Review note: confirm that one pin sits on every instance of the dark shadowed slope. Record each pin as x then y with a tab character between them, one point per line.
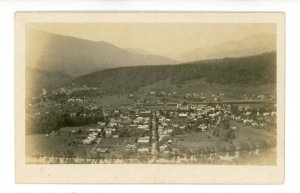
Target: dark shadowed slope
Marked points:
253	70
37	79
77	57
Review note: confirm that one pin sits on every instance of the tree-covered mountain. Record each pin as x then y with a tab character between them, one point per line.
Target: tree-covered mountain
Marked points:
76	57
252	70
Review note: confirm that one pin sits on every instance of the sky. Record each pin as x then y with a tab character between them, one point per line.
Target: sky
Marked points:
167	39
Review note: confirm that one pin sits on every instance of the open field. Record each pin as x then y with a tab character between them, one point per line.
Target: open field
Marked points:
247	138
114	100
40	145
199	86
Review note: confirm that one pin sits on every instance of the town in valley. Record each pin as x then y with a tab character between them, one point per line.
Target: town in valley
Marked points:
161	126
98	100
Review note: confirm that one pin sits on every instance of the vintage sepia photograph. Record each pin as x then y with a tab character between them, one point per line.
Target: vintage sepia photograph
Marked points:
152	93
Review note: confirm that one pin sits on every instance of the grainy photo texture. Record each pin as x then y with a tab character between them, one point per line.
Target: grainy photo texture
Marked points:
167	93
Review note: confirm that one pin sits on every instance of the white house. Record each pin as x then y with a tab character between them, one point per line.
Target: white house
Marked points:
183	115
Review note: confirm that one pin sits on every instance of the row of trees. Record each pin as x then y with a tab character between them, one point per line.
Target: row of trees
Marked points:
53	121
223	130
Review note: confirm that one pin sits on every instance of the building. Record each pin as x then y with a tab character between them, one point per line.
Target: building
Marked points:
143	127
183	107
103	150
143	150
145	113
183	115
143	140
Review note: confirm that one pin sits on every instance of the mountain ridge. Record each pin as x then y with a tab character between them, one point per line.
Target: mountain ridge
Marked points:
250	70
54	52
249	46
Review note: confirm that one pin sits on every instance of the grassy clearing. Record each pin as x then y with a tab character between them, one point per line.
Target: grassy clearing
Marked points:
246	138
40	145
253	135
200	86
114	100
55	146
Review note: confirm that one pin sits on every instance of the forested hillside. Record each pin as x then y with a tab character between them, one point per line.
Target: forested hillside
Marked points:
253	70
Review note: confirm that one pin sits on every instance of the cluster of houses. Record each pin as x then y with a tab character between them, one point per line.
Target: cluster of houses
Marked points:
174	118
162	93
163	125
254	117
141	122
92	136
190	96
163	129
75	100
69	91
259	97
168	123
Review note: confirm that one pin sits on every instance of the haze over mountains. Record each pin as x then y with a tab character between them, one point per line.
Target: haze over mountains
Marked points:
53	60
75	57
252	45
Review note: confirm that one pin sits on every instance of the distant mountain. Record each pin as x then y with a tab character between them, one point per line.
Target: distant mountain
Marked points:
252	70
37	79
74	56
252	45
139	51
